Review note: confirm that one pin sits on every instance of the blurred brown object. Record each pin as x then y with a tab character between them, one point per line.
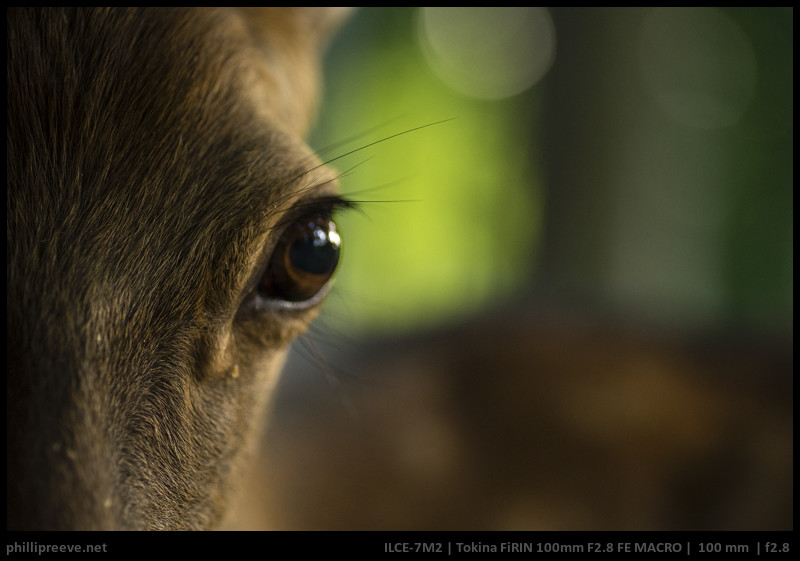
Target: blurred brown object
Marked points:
532	421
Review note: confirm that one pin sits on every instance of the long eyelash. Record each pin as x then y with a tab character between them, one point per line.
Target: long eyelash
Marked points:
321	205
369	144
379	141
329	204
343	142
339	203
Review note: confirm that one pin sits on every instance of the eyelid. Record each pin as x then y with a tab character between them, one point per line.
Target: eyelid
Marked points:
319	205
325	205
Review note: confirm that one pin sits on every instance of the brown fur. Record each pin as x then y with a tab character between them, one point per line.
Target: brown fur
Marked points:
152	154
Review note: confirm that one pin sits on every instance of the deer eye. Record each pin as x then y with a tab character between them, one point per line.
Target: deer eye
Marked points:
303	260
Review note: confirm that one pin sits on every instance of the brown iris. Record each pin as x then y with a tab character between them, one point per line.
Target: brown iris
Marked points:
303	260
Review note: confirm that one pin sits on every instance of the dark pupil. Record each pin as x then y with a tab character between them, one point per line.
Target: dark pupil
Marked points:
314	253
303	260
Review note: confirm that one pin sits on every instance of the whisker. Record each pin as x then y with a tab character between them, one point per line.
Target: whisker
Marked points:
368	145
379	141
333	376
378	188
356	136
281	202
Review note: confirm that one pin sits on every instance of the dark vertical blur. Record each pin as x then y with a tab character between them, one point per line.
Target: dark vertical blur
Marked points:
658	215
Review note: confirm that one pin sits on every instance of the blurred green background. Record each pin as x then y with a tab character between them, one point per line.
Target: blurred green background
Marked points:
638	160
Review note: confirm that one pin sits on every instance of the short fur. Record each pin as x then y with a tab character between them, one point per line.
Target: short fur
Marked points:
151	155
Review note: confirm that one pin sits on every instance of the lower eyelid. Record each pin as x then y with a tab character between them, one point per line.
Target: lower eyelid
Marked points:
256	304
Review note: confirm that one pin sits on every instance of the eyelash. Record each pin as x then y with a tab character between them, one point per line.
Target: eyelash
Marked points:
324	205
